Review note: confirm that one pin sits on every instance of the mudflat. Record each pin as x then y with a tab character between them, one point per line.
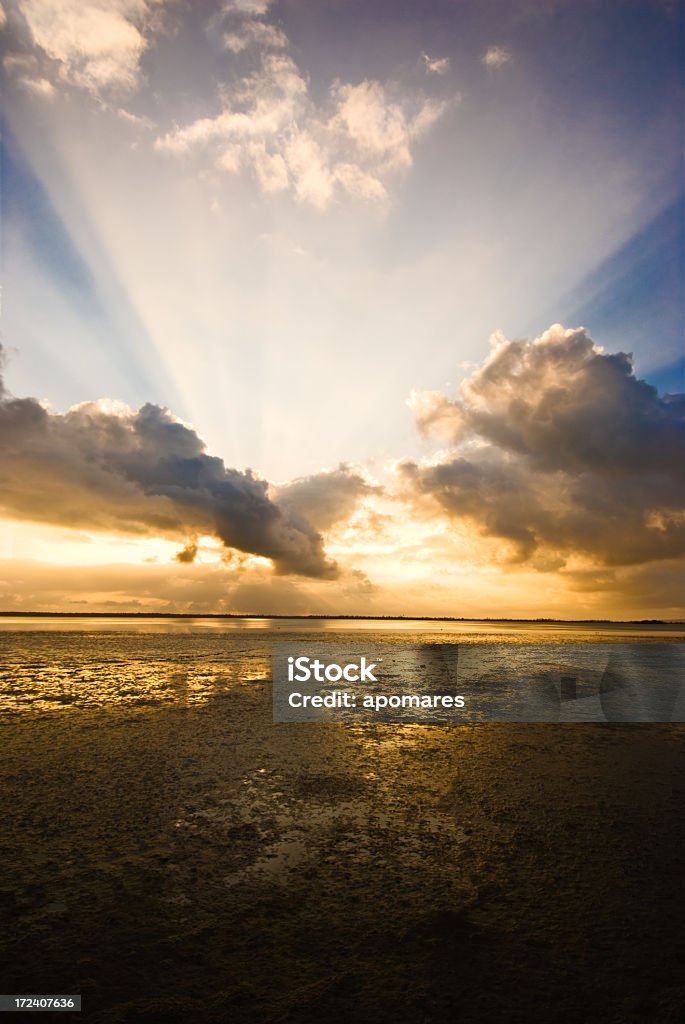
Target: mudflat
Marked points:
197	862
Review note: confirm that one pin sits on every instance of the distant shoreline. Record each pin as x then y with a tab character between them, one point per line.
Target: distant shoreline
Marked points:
354	618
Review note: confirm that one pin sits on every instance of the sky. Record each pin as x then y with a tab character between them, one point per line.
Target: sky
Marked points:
343	307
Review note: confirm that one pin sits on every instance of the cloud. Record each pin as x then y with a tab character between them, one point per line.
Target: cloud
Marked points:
199	588
136	120
261	106
496	57
270	127
328	498
98	44
253	8
28	72
307	166
38	87
381	130
247	28
255	33
435	65
558	447
656	586
187	554
106	466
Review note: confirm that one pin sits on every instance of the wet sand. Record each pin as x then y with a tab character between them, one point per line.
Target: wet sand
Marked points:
183	863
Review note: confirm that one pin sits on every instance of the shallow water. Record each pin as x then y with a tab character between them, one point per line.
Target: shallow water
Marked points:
50	664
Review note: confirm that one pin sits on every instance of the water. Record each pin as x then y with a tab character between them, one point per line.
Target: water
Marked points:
69	664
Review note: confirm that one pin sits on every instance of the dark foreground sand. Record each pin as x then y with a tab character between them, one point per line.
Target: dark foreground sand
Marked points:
184	864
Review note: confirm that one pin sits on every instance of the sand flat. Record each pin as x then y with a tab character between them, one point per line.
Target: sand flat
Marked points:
181	862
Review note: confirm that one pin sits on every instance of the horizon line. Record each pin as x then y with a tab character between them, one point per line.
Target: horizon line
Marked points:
369	618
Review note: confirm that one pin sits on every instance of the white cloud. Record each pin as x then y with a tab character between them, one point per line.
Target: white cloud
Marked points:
255	33
248	29
270	168
38	86
496	57
269	100
252	8
270	125
29	73
21	66
3	16
359	183
18	62
98	44
136	120
377	128
312	178
435	65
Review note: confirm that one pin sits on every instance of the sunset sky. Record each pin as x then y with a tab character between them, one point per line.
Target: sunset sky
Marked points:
343	306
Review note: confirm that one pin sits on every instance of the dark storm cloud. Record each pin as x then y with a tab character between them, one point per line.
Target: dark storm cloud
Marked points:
187	554
559	446
658	585
326	498
107	466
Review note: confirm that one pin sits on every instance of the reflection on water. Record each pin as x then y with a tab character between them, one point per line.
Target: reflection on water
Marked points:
79	662
44	670
524	631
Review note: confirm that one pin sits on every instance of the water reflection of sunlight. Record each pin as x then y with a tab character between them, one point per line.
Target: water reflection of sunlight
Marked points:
59	664
52	671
